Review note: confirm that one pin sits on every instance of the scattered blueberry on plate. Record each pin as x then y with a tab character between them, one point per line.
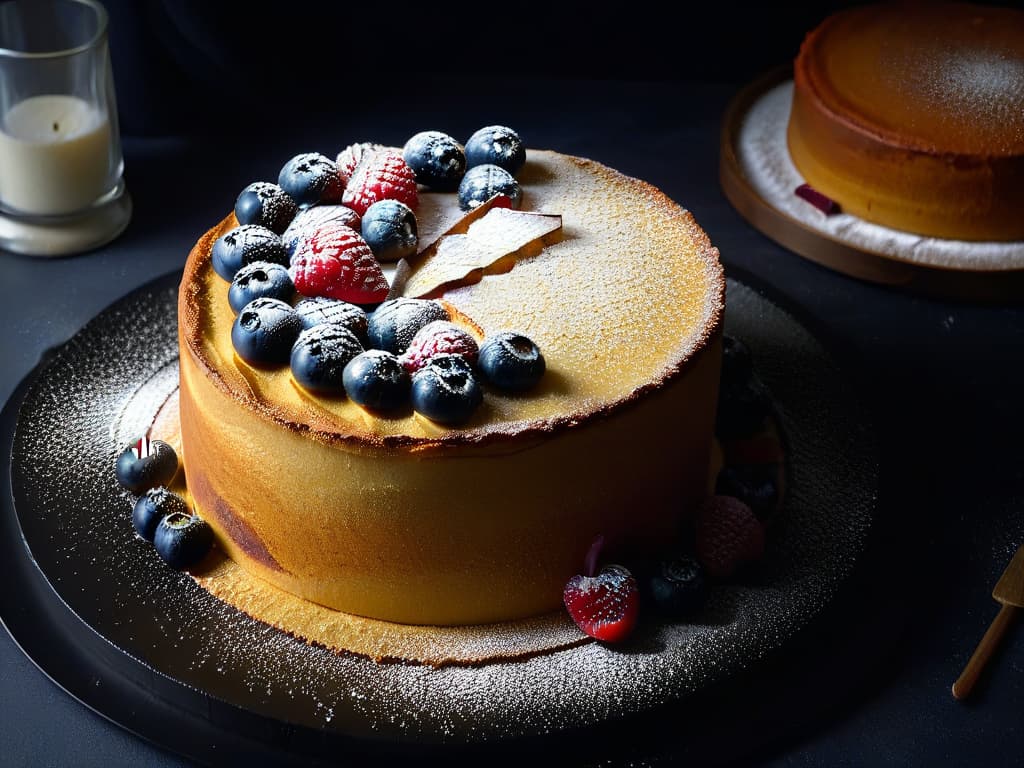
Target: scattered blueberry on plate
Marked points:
182	539
146	464
678	587
152	507
496	145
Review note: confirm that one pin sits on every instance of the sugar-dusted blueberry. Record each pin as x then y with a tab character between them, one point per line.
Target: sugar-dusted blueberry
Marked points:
265	204
319	357
756	485
437	159
307	222
264	331
182	540
146	463
389	228
511	361
737	364
394	323
496	145
261	279
317	310
244	245
445	390
678	588
152	507
311	179
376	380
743	407
482	182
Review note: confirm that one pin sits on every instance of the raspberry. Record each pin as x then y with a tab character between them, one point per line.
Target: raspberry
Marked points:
336	262
604	606
352	155
436	338
383	175
728	535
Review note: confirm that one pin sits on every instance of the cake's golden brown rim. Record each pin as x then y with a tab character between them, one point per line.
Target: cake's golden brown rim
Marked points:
816	84
190	331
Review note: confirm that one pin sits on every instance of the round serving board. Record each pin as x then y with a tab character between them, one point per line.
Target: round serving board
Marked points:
759	179
98	611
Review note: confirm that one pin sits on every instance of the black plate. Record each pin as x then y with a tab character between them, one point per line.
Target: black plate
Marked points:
98	611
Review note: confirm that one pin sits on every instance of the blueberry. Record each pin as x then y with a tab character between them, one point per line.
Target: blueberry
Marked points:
445	389
258	280
742	408
265	204
483	182
154	506
376	379
264	331
678	587
317	310
395	322
756	485
389	228
310	179
146	464
182	540
245	245
310	220
510	361
320	355
496	145
737	365
437	159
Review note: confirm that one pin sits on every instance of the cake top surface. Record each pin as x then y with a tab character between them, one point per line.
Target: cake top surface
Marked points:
935	77
619	306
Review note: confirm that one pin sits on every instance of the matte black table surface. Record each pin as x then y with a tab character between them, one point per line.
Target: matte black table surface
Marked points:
868	682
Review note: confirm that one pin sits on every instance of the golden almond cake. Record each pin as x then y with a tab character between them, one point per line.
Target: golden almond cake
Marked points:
401	519
912	116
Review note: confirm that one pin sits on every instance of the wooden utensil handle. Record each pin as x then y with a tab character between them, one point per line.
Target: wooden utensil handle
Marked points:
962	687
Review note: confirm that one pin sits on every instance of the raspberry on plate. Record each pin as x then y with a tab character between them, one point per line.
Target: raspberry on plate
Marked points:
384	175
728	536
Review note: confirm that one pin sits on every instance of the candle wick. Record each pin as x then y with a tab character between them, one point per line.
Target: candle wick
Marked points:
56	127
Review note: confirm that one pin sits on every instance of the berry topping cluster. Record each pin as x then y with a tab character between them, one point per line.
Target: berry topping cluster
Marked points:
729	529
309	291
160	516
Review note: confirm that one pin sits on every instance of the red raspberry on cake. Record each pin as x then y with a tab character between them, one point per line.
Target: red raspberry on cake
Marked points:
383	175
436	338
336	262
351	156
728	536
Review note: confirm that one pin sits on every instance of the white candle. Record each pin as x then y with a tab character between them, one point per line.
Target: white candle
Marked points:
54	155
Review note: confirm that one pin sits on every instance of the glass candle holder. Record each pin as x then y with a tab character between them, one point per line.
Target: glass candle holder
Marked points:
61	185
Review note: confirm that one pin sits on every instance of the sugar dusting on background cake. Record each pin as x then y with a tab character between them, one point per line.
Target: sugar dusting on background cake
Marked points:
764	157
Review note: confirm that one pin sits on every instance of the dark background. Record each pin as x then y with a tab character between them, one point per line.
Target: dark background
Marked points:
215	95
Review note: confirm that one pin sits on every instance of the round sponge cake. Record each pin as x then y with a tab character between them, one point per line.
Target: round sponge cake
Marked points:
404	520
911	115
